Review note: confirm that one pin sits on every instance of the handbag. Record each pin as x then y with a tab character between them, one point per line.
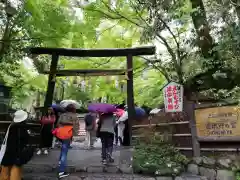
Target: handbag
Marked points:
25	154
65	132
4	145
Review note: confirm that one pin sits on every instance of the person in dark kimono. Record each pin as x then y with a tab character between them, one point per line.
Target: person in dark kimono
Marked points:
16	141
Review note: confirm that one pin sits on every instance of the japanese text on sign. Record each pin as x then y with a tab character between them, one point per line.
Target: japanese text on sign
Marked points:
173	97
217	122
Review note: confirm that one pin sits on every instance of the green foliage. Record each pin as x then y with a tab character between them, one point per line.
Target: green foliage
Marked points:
147	88
158	158
73	92
238	176
167	24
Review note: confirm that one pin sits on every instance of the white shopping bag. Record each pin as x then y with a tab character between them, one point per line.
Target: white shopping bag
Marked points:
4	145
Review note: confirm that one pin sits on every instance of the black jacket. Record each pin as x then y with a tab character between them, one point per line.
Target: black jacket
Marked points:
17	139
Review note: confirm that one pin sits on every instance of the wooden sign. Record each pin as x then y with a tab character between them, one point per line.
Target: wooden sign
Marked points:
218	123
173	97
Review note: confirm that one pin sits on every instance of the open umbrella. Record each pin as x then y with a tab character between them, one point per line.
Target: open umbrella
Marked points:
155	111
65	103
139	112
102	108
58	108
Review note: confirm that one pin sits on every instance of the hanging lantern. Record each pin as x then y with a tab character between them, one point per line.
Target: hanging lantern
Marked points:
83	86
116	82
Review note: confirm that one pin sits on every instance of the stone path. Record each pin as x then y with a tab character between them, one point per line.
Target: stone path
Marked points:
80	161
101	176
84	176
86	165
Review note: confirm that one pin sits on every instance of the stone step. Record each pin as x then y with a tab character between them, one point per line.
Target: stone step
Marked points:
85	176
105	176
44	168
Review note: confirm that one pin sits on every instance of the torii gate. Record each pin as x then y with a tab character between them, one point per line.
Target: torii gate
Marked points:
127	52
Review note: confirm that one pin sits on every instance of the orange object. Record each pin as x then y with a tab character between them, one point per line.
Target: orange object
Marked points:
65	132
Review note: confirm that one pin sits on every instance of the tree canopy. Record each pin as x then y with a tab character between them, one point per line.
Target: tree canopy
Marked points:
197	45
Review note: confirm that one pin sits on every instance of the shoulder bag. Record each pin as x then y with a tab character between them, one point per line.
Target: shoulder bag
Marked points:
4	144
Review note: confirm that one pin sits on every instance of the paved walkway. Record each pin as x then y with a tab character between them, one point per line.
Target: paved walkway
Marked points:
101	176
81	161
76	157
84	176
86	165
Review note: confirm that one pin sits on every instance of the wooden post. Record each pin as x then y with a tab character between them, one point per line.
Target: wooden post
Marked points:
38	103
130	96
51	82
63	89
190	107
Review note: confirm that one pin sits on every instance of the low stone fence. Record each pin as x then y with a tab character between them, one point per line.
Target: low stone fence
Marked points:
215	168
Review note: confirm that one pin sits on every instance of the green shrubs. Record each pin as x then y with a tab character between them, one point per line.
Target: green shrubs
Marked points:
155	157
238	176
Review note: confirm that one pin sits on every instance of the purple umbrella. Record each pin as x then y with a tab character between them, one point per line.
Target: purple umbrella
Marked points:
57	108
102	108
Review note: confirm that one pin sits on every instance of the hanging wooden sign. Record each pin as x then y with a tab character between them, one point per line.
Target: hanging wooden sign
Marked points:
173	97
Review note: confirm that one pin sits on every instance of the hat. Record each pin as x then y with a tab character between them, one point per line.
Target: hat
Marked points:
20	116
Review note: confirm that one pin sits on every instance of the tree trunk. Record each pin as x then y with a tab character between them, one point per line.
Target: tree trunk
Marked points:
202	28
236	4
5	40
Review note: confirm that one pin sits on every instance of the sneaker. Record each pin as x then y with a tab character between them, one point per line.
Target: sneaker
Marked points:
45	152
104	162
62	175
39	152
110	159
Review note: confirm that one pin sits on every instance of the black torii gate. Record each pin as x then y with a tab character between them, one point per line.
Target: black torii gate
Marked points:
127	52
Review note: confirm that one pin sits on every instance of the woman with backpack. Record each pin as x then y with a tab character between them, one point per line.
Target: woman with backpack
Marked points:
65	130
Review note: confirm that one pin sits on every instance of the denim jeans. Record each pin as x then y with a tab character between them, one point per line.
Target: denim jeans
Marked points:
63	155
107	144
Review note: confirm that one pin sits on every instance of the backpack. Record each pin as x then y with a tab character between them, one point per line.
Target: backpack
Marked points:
89	119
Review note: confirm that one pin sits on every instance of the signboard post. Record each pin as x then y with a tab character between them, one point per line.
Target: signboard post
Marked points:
173	97
218	123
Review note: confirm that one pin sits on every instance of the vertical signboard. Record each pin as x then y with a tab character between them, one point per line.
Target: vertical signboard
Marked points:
173	97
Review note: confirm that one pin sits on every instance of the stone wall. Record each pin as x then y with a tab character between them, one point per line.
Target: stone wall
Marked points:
216	168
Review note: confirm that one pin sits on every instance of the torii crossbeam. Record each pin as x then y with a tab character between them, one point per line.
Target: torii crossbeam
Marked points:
127	52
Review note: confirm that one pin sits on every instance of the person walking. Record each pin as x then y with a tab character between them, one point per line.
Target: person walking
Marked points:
67	124
120	130
116	139
47	123
17	153
106	125
90	125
